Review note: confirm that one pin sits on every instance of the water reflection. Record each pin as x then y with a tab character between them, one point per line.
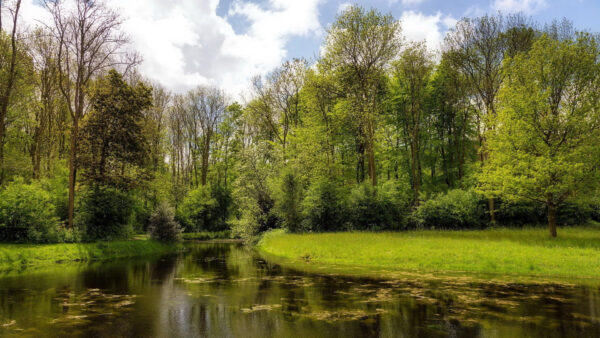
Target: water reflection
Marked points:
225	290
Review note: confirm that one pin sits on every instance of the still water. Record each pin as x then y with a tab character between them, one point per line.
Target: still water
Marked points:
227	290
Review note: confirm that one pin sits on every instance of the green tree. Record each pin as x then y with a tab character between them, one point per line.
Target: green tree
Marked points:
545	144
114	147
359	47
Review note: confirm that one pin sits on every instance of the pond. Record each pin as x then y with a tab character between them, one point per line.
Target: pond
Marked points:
227	290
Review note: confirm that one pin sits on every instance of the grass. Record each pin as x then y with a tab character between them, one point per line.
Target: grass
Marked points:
19	256
206	235
575	254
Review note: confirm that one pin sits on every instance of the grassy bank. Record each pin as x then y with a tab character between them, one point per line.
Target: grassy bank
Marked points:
18	256
511	252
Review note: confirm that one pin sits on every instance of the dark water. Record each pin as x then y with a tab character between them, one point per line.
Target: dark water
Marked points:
226	290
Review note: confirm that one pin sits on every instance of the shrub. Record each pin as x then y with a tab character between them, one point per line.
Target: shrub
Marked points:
288	201
27	214
205	208
377	208
105	213
162	225
324	207
520	213
455	209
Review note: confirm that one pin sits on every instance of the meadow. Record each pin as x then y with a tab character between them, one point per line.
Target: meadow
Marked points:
499	251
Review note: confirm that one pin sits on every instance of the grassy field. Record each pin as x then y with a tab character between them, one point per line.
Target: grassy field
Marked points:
510	252
18	256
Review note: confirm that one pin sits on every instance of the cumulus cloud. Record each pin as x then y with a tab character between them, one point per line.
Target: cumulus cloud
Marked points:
525	6
185	43
418	27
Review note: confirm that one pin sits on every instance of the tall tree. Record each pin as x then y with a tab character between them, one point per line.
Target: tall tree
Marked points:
8	68
545	144
114	147
412	73
89	42
359	46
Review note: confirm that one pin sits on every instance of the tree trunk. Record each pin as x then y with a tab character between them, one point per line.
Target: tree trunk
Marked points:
551	218
73	168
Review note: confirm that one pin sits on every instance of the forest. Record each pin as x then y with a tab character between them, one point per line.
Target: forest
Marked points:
500	127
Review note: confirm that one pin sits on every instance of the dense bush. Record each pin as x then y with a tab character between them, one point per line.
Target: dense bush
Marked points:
288	194
519	213
27	214
105	213
377	208
162	225
205	208
456	209
324	207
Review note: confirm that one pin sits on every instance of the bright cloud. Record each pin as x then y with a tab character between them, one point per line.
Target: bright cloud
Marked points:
525	6
184	43
418	27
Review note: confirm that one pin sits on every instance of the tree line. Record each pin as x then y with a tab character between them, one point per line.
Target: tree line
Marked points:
498	127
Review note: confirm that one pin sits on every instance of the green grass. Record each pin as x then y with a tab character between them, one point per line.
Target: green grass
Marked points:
574	254
206	235
19	256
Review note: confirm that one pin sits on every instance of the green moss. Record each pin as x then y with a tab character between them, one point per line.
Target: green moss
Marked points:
16	256
508	252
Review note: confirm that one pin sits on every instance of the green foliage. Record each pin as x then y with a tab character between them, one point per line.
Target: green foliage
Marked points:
288	195
162	225
456	209
206	208
105	213
546	142
377	208
27	214
325	207
112	135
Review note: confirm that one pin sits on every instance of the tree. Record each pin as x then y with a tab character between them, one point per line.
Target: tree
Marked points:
359	46
411	76
545	144
206	110
9	56
89	42
112	135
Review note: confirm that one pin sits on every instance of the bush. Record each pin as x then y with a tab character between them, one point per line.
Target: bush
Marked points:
27	214
324	207
288	201
205	208
456	209
162	225
520	213
105	213
377	208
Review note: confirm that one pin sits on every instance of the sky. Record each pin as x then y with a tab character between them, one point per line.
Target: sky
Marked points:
186	43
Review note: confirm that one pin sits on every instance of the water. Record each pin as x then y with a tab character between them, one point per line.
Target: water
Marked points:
227	290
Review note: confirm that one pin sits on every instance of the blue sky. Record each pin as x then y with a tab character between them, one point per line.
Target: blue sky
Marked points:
186	43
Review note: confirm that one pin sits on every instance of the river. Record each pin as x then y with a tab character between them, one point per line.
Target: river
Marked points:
228	290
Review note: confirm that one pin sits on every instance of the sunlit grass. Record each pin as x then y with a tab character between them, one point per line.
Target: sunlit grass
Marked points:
16	256
520	252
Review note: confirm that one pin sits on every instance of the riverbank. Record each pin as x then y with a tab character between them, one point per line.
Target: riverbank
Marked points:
207	236
514	253
20	256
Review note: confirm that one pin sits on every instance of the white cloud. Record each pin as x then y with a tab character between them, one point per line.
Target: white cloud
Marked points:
418	27
344	6
185	43
408	2
526	6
